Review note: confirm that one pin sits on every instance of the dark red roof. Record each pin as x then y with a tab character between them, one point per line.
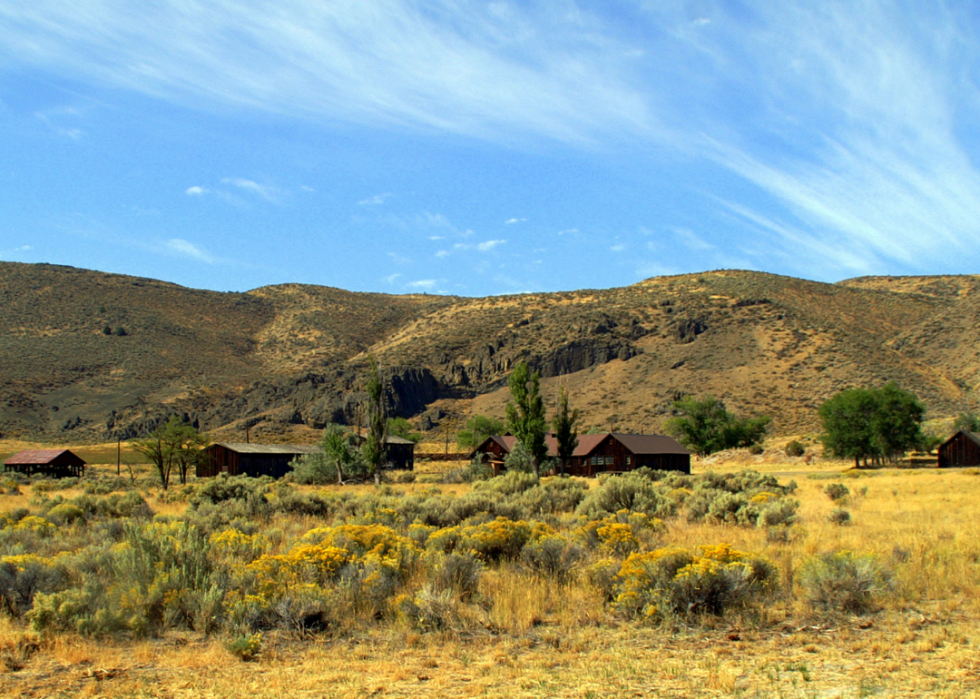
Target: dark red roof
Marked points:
38	456
636	443
650	444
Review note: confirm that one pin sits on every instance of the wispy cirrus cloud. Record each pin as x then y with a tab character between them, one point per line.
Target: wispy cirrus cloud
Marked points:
184	248
852	123
195	191
469	68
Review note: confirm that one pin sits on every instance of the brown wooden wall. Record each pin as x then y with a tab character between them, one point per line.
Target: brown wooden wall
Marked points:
612	455
220	459
959	451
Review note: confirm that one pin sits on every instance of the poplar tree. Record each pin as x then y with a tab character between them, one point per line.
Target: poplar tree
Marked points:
564	424
526	415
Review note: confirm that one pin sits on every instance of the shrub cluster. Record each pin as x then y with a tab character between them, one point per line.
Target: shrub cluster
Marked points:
251	555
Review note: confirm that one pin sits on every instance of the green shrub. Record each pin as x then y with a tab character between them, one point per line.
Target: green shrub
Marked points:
24	577
511	483
756	449
553	557
66	513
778	513
630	492
432	609
795	448
842	581
836	491
476	470
245	648
556	496
839	516
458	573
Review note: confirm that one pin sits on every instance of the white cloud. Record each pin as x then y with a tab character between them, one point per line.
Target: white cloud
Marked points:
50	118
568	231
195	191
427	284
512	221
451	65
267	192
14	251
376	200
853	120
399	259
183	248
392	278
691	240
306	188
489	245
619	247
443	253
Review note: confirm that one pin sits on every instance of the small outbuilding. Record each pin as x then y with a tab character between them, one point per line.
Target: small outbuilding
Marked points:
962	449
56	463
238	459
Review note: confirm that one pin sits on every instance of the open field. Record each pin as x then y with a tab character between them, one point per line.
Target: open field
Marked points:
531	635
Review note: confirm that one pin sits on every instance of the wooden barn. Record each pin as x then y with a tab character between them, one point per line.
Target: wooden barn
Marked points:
598	453
401	453
962	449
238	459
57	463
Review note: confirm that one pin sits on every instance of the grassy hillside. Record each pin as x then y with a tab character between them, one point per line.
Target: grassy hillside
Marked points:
291	357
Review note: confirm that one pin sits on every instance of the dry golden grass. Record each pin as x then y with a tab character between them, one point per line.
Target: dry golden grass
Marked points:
540	639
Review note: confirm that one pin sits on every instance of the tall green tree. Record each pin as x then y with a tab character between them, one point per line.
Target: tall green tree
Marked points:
374	448
705	426
871	425
526	415
400	427
565	423
477	429
967	422
174	444
339	446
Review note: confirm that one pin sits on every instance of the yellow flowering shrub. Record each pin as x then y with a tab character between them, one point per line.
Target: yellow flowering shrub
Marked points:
621	533
35	524
673	580
306	566
501	539
231	545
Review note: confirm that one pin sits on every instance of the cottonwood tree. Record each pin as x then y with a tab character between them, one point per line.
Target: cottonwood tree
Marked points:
175	444
705	426
477	429
526	415
871	425
340	450
564	424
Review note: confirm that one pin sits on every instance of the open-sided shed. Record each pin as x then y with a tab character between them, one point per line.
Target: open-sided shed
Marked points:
57	463
962	449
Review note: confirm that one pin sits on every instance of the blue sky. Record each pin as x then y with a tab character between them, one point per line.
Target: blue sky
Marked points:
489	147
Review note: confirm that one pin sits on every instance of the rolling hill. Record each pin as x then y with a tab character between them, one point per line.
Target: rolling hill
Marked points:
86	355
